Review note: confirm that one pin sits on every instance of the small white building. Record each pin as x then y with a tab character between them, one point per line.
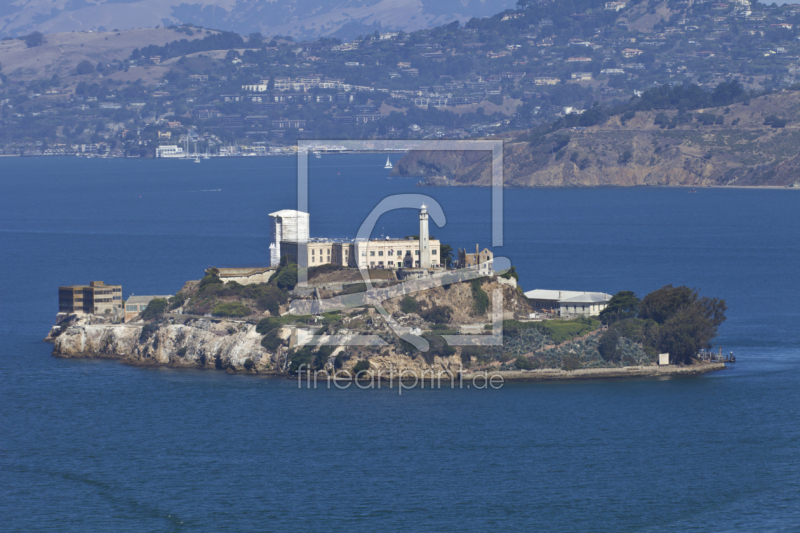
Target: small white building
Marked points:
586	304
170	150
568	303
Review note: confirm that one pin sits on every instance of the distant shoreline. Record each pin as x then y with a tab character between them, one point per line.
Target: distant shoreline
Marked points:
548	374
422	183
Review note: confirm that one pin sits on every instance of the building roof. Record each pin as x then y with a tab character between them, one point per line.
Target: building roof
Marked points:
245	271
92	285
146	299
288	213
587	298
567	296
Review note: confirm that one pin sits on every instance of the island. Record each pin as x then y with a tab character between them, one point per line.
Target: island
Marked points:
254	327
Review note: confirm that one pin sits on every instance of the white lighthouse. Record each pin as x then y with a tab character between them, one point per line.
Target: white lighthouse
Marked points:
424	241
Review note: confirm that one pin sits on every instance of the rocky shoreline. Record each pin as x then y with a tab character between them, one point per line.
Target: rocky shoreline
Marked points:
235	347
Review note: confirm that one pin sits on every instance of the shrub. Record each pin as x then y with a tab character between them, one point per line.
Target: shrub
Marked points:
211	278
248	364
437	347
438	314
84	67
479	297
775	121
271	340
468	352
409	305
34	39
361	366
286	277
523	363
265	325
176	301
511	273
154	309
148	330
181	351
230	309
609	345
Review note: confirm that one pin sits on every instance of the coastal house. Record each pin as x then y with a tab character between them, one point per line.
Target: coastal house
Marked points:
582	76
97	298
568	303
136	304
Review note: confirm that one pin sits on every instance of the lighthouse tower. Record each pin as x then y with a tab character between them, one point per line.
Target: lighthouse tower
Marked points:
424	241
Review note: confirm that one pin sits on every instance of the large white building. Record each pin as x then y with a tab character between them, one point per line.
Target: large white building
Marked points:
290	230
287	226
567	303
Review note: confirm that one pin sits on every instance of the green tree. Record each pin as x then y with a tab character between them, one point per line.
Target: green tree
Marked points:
34	39
608	345
361	366
446	254
154	309
622	305
686	321
408	305
85	67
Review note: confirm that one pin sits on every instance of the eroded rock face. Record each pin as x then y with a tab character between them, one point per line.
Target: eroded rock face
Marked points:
200	343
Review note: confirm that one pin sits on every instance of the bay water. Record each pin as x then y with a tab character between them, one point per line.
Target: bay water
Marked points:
88	445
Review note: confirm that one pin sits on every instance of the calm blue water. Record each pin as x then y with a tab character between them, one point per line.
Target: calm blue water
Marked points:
99	446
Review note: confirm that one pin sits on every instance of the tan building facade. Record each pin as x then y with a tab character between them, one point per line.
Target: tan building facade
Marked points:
378	253
97	298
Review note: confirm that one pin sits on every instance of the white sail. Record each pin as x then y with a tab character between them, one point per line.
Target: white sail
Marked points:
388	163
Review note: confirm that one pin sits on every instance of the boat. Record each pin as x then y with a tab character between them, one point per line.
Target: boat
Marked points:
317	155
693	190
388	164
196	159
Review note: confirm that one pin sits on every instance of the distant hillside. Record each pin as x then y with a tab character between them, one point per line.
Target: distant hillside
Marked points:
750	143
60	53
306	19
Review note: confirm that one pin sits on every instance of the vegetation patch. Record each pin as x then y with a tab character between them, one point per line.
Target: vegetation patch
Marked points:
154	309
231	309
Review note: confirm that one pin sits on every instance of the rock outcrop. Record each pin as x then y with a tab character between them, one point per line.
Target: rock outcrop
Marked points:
197	343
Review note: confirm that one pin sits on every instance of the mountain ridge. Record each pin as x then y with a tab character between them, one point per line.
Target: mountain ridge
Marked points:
301	19
745	149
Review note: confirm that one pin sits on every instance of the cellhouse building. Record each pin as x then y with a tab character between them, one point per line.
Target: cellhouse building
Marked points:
290	230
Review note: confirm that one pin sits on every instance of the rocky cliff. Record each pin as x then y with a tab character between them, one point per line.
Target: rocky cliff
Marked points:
740	145
288	344
197	343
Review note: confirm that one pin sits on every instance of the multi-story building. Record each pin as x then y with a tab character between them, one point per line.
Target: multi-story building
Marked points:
290	235
97	298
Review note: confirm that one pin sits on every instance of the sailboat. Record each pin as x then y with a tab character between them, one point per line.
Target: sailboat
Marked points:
388	164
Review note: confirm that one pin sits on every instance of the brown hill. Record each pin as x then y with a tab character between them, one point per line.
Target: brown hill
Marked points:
740	149
61	52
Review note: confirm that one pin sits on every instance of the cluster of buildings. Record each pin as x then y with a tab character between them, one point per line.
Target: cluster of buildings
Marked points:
290	238
411	257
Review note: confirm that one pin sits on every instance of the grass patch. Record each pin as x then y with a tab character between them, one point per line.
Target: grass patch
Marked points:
231	309
557	330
